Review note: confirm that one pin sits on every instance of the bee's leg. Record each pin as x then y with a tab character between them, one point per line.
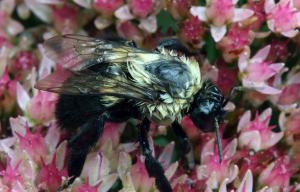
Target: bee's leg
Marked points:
185	144
153	167
81	143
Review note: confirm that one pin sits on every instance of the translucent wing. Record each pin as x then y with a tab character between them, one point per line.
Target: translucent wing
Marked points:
76	52
87	82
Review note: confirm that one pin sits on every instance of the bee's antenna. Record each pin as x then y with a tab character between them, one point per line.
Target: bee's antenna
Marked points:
219	143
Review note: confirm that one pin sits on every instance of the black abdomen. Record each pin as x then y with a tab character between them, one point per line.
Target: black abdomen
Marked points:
73	111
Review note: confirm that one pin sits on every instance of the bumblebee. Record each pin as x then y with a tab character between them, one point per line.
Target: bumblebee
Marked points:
113	81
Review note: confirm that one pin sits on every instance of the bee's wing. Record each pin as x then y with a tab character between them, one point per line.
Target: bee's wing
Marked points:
87	82
77	52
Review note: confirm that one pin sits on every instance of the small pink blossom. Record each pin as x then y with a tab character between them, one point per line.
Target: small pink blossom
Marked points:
65	18
40	108
255	72
141	8
214	172
282	17
192	30
25	60
107	7
11	174
220	13
235	42
257	134
33	143
147	23
52	173
95	176
277	175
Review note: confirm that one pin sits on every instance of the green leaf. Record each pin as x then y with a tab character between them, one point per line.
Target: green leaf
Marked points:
165	22
211	49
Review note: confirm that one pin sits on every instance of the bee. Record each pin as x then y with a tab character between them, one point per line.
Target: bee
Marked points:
113	81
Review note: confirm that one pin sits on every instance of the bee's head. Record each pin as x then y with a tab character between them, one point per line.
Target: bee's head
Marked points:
208	106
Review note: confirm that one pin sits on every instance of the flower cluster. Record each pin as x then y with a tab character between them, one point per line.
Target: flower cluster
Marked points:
249	49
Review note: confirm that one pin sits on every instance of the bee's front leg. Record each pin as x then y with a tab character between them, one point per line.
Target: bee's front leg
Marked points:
185	144
153	167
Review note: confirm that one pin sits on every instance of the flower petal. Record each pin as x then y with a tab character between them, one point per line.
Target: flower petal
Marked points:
84	3
265	114
243	61
266	89
52	138
269	4
149	24
124	164
241	14
207	151
271	24
171	170
61	153
244	120
264	175
43	12
199	12
107	182
166	156
262	54
230	149
247	183
272	140
250	139
22	97
223	186
218	32
123	13
91	168
291	33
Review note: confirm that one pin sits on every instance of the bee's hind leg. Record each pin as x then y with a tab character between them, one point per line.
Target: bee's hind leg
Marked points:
153	167
185	144
81	143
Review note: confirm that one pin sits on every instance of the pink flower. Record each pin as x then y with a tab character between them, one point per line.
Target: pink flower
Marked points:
212	170
282	17
278	174
25	60
220	13
95	176
65	18
40	108
255	72
257	134
141	8
192	30
11	174
235	42
246	184
107	7
33	143
52	173
147	23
